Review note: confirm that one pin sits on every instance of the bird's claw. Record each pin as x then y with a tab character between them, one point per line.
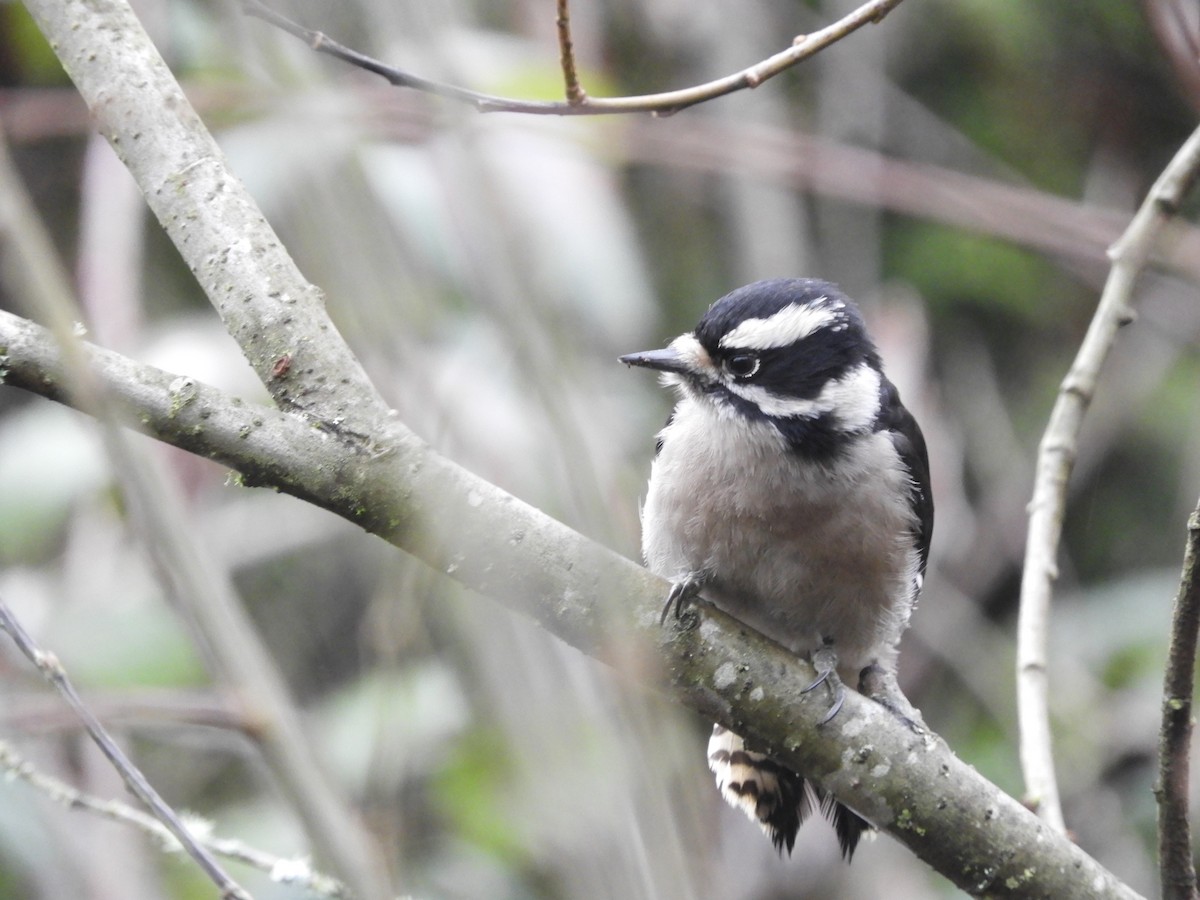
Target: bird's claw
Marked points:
881	686
683	594
824	661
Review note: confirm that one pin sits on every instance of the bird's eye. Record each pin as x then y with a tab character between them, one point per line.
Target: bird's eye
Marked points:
743	365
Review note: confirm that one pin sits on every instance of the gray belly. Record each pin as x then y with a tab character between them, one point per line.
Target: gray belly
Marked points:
801	553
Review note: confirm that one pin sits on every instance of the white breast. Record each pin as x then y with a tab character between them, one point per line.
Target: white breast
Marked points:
803	552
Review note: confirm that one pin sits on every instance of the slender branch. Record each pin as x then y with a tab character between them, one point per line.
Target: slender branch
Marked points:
53	671
284	870
1177	871
575	91
1056	457
607	607
662	104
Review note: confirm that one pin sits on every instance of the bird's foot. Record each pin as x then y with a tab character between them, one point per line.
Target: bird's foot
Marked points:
881	686
684	593
824	660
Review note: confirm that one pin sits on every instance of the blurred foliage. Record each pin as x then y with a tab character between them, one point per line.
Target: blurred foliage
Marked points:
489	269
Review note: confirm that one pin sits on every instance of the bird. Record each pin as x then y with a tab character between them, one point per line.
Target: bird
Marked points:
790	488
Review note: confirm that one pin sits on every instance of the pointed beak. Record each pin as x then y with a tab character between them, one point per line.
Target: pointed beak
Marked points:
665	360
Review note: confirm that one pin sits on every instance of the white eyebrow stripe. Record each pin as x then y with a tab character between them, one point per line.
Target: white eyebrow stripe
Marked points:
790	324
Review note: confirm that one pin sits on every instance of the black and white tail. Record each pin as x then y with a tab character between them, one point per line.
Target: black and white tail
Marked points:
775	797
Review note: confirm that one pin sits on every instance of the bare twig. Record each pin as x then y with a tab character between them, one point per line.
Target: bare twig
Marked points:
295	870
1056	456
575	91
1177	871
52	670
662	104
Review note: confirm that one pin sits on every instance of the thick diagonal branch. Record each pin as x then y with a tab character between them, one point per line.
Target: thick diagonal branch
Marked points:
910	784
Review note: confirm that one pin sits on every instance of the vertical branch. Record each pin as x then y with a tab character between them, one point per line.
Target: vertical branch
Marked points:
1056	458
53	672
575	92
1177	872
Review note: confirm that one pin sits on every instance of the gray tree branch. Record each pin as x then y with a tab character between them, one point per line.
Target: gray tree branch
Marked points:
266	304
910	784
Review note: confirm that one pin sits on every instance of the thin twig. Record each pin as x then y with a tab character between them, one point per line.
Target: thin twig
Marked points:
662	104
1056	457
1177	871
53	671
295	870
575	91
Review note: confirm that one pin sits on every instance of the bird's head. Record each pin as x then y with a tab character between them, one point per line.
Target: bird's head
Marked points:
791	351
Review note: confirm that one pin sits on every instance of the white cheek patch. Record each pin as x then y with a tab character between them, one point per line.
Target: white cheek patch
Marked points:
792	323
854	398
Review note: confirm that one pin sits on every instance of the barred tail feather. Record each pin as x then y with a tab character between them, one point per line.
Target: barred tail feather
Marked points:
775	797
